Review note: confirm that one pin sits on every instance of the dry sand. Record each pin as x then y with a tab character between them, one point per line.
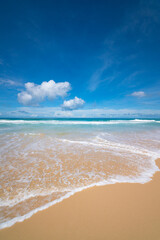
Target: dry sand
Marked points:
123	211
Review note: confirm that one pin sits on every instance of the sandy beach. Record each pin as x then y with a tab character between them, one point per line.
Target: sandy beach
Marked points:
79	120
119	211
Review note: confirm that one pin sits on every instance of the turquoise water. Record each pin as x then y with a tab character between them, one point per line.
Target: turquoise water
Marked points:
43	161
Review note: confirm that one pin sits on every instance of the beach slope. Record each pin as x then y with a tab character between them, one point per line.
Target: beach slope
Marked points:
123	211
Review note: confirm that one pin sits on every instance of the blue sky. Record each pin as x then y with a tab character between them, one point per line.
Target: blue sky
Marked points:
103	58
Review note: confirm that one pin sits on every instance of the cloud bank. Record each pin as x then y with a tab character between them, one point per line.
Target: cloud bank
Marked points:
73	104
34	94
57	112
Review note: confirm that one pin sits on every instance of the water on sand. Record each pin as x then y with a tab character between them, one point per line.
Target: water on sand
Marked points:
44	161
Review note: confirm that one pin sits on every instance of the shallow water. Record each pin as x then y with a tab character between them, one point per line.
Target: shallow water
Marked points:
44	161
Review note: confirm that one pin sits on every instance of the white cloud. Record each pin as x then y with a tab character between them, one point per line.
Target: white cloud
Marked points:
138	94
96	78
35	94
73	104
9	82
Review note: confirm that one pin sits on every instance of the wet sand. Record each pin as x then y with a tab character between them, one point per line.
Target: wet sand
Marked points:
123	211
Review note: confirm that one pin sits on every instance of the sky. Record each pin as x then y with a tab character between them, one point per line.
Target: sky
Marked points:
87	58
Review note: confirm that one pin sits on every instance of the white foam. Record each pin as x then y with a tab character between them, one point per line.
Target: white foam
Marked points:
75	122
21	198
144	120
143	178
99	142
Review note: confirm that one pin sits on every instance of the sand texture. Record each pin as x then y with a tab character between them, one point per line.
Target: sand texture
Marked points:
123	211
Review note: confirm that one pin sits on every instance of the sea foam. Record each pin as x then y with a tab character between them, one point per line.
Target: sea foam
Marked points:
38	161
145	177
77	122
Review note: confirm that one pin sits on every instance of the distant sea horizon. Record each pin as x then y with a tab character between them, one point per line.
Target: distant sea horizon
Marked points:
78	118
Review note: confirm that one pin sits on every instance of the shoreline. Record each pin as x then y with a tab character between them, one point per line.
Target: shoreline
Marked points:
97	213
140	180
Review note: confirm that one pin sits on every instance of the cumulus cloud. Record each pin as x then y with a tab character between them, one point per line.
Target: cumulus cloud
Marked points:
138	94
73	104
34	94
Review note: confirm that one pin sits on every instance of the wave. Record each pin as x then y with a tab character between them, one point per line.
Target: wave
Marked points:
77	122
100	142
143	178
96	142
144	120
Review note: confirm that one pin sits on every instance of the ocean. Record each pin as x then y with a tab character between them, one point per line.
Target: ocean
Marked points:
43	161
